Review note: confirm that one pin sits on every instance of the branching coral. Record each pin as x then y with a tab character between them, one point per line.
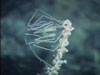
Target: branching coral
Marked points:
63	42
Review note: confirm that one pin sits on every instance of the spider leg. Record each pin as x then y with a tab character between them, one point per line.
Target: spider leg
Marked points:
46	24
44	15
28	34
52	36
39	57
58	21
38	21
44	41
58	38
43	48
56	41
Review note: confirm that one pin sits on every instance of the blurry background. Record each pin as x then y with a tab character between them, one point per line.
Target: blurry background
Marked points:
84	49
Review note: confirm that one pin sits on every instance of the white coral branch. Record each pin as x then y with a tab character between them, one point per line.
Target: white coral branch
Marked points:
63	42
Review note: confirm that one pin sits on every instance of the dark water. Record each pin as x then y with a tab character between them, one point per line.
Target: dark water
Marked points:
84	49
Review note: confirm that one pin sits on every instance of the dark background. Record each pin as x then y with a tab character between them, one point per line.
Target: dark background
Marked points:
84	49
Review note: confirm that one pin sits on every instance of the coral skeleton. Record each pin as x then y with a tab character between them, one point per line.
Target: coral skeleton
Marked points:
63	42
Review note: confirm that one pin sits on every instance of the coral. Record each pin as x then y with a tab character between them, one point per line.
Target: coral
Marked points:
63	42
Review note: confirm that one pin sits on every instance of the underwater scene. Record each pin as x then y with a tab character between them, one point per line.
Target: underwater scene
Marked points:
50	37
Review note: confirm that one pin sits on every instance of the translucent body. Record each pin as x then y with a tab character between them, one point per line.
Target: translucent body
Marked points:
43	33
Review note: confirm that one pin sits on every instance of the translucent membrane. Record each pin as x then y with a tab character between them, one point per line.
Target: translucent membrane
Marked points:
43	33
